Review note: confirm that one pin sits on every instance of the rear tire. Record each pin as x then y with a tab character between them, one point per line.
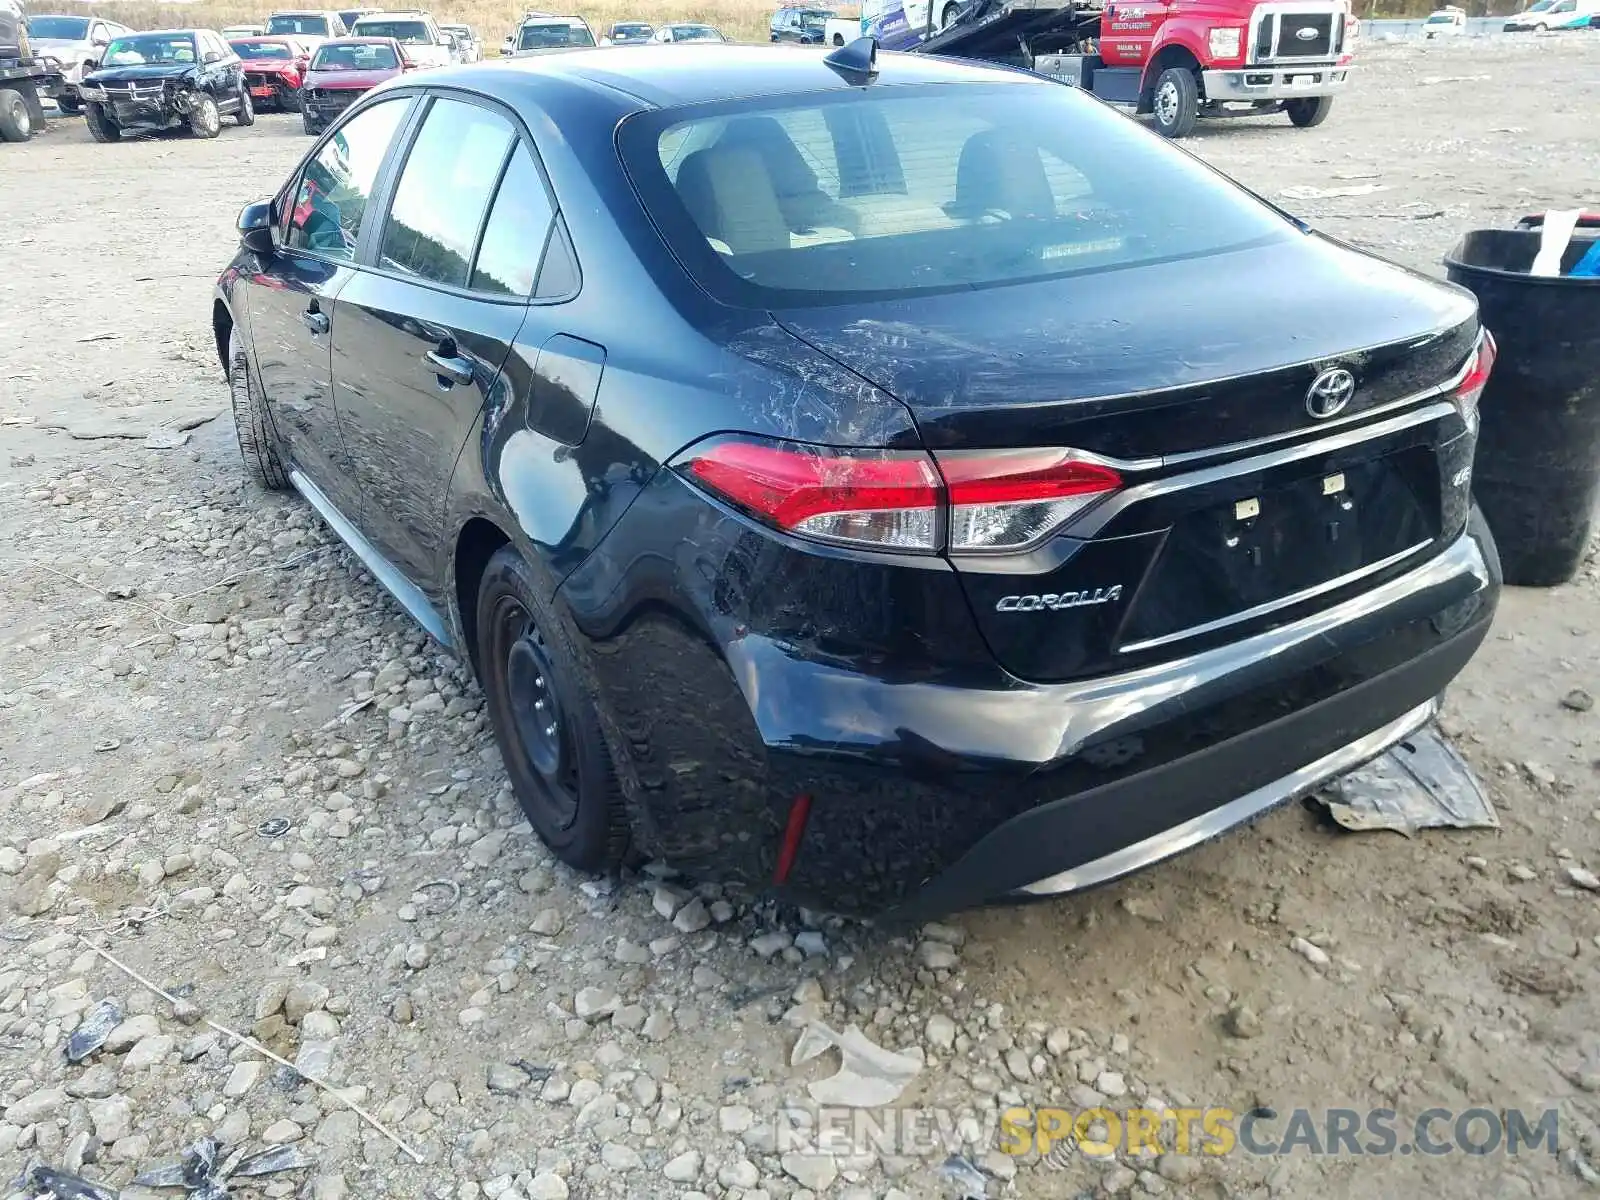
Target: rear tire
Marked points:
256	443
16	122
246	116
1176	102
205	121
540	700
1308	111
68	104
838	39
102	127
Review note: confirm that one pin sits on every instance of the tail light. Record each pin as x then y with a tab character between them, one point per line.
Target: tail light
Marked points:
1470	389
971	502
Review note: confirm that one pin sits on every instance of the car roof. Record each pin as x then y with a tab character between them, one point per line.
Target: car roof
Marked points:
191	31
697	75
357	40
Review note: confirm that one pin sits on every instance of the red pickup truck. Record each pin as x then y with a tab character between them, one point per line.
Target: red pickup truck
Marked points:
1176	60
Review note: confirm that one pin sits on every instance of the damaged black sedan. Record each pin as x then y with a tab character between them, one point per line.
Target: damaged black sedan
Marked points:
895	483
168	79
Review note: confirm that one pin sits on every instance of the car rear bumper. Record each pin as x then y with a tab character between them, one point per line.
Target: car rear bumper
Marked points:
852	773
1275	83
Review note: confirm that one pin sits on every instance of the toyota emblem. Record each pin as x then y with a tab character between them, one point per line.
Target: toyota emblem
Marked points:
1329	393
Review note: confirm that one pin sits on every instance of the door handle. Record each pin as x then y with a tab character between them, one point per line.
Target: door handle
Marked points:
315	321
457	370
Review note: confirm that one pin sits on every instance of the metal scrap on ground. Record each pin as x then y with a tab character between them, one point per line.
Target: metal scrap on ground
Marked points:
1420	784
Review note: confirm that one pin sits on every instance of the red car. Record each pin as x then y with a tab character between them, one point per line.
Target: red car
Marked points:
341	70
274	69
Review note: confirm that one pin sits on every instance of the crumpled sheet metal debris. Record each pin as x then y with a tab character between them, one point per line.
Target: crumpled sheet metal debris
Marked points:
40	1180
93	1030
1422	783
204	1173
868	1077
968	1181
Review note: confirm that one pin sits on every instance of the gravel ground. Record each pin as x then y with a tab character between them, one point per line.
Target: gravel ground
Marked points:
228	760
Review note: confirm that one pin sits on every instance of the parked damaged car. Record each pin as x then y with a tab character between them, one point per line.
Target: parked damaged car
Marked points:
163	80
975	497
274	69
344	70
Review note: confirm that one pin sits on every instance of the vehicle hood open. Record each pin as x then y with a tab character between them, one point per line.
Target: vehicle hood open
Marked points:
144	71
1224	341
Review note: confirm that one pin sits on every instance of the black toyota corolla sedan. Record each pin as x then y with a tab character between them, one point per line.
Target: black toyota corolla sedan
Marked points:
899	486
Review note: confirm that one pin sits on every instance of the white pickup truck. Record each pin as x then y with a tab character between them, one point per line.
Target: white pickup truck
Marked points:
836	31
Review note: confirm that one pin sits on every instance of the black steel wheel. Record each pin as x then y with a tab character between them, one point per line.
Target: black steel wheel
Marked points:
540	704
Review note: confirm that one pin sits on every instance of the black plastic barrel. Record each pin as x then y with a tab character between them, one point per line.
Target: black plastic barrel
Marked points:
1537	470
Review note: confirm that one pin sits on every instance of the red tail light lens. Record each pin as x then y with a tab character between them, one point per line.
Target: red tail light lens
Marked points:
984	501
1010	499
1470	389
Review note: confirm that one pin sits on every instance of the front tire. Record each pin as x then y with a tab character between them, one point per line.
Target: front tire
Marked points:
1176	102
540	702
310	126
256	443
289	101
246	116
205	121
1309	111
16	122
102	127
947	17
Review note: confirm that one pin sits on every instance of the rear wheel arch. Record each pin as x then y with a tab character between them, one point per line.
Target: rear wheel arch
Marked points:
476	543
221	332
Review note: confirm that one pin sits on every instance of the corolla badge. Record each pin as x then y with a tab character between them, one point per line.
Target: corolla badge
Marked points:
1330	392
1059	600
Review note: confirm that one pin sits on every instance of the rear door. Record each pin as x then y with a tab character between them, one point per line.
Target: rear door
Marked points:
427	324
292	297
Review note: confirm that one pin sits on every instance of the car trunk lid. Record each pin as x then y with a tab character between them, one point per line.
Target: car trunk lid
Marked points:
1243	497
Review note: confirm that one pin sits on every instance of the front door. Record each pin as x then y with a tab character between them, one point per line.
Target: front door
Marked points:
293	297
424	331
1129	29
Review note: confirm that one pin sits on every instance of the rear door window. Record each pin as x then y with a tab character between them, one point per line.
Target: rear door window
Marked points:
444	190
515	235
329	205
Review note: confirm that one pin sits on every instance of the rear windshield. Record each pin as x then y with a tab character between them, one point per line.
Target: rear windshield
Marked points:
407	33
68	29
1439	19
358	57
892	191
695	33
147	48
544	37
262	49
291	23
631	31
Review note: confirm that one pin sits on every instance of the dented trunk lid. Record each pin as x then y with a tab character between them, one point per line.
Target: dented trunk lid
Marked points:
1186	374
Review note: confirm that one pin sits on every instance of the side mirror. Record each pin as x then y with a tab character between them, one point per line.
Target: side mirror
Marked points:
101	39
255	227
212	57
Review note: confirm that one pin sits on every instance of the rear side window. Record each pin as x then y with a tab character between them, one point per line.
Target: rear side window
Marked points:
891	191
444	191
330	201
518	227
